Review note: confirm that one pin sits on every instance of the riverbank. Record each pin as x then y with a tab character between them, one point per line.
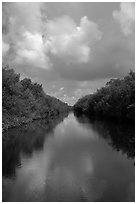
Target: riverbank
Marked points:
24	101
17	122
115	100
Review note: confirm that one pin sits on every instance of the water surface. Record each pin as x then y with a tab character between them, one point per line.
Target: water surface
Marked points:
71	160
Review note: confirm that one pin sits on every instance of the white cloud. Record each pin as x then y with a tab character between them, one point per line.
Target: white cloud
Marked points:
70	42
22	16
31	50
31	39
126	17
22	31
5	47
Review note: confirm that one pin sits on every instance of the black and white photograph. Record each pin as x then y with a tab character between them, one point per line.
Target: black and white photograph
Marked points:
68	101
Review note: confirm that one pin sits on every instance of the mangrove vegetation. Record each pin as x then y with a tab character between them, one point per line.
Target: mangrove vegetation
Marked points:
24	101
115	100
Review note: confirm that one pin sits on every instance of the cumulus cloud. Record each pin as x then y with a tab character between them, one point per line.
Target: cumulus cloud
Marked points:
24	16
31	50
22	33
5	47
113	56
31	39
126	17
71	42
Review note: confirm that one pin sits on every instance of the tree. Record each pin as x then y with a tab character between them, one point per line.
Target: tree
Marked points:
116	99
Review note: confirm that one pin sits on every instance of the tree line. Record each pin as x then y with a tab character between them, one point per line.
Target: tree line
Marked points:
115	100
24	101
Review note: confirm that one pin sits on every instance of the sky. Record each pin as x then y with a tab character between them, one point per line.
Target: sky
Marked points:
71	48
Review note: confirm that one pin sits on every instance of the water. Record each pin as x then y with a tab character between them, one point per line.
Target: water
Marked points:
69	160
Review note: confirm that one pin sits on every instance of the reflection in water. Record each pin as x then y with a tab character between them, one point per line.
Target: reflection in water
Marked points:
24	140
72	162
121	135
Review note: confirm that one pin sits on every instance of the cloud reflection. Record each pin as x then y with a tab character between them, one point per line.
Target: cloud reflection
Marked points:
75	164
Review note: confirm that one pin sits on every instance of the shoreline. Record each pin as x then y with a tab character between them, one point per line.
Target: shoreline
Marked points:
21	122
6	127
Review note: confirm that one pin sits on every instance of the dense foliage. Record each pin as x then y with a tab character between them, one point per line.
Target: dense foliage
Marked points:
116	99
23	101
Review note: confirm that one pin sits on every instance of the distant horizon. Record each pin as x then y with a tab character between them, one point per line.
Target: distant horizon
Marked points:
85	94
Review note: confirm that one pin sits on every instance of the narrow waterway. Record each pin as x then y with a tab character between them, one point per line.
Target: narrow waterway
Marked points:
74	160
